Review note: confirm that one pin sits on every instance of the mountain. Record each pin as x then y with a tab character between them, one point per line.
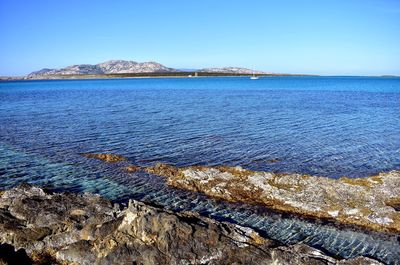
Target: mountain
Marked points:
109	67
231	70
129	67
123	67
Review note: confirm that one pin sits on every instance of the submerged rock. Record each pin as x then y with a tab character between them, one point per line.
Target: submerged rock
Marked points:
43	227
267	160
132	168
370	202
109	158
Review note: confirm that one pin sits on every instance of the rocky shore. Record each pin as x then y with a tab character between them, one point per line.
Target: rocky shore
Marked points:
372	202
38	226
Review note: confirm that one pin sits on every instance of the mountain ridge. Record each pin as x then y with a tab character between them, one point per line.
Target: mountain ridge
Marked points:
107	67
231	70
128	67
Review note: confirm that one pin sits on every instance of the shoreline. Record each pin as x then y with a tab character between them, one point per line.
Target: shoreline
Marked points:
155	75
38	225
181	75
371	202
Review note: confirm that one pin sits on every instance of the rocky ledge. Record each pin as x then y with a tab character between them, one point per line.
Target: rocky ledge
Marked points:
372	202
41	227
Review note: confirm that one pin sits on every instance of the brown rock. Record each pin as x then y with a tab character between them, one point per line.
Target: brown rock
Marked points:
109	158
64	228
132	168
370	202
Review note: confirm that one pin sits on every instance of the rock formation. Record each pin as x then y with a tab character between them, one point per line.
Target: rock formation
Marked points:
368	202
109	67
372	202
109	158
41	227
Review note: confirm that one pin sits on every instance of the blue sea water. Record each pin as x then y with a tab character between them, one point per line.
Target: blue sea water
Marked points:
325	126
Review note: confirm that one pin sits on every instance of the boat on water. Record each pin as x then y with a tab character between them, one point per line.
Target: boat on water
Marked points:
254	77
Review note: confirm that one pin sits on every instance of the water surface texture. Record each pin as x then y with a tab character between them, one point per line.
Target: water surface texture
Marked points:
322	126
326	126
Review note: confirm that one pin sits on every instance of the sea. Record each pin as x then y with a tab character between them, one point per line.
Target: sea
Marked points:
322	126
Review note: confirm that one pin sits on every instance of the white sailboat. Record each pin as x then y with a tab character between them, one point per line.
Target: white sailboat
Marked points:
253	77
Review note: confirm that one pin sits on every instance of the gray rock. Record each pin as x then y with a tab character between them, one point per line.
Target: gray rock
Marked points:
86	229
369	202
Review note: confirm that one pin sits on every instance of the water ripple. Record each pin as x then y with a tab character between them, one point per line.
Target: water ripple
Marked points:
305	125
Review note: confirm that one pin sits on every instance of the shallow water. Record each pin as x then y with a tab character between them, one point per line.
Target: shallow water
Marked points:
322	126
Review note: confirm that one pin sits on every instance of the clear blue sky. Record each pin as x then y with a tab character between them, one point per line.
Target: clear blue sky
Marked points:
334	37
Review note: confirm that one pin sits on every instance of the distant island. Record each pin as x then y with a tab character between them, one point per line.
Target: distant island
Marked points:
132	69
125	69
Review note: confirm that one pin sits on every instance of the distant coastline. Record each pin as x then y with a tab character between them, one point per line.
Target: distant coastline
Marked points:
115	69
170	75
143	75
